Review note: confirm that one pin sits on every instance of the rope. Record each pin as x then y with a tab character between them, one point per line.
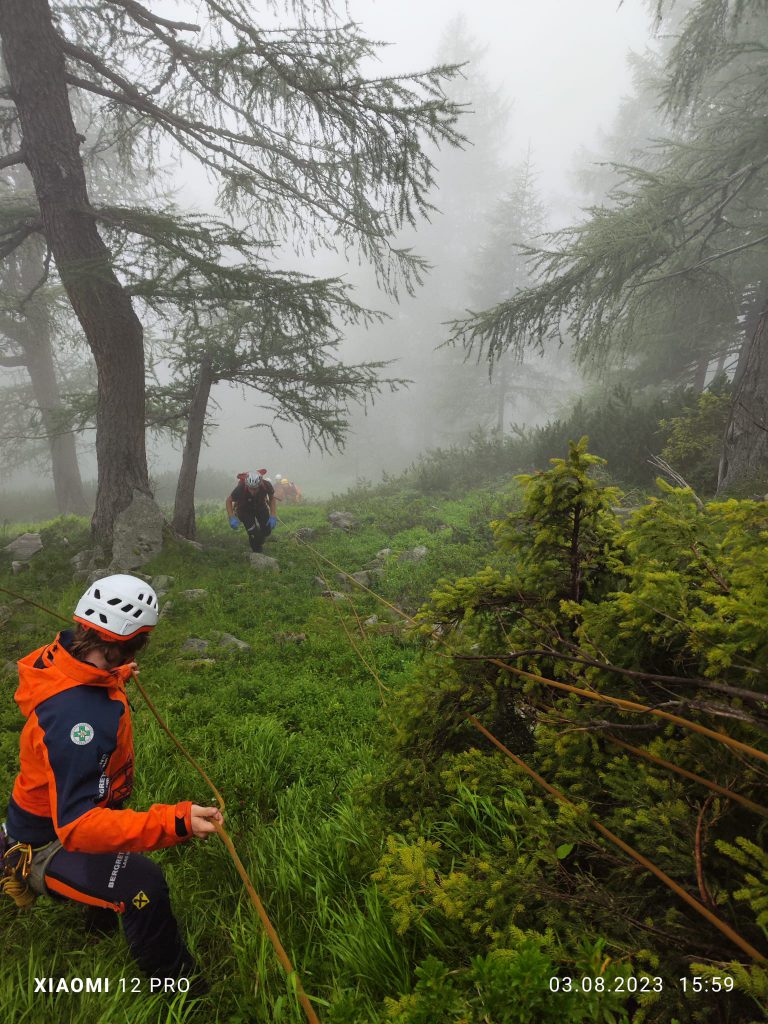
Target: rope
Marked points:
721	925
230	846
727	793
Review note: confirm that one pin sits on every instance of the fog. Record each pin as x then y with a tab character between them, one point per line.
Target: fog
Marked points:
543	83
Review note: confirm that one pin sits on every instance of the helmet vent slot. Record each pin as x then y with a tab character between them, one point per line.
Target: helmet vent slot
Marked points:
103	618
114	600
97	594
137	613
126	608
89	611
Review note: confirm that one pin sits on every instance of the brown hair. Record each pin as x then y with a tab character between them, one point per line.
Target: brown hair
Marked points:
116	652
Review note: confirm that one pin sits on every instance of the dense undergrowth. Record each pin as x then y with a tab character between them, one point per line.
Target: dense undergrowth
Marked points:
414	873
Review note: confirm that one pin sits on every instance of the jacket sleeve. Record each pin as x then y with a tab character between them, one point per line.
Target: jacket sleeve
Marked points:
78	735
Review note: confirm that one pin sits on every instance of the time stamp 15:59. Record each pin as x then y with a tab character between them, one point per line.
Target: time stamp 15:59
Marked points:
632	984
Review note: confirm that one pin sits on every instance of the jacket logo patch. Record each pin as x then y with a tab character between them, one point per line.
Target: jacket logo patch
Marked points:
140	900
81	733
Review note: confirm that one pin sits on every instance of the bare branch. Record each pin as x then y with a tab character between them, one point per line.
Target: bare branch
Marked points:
143	15
11	159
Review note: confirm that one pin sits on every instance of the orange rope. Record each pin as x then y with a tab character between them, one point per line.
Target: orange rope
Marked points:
250	888
727	793
721	925
630	705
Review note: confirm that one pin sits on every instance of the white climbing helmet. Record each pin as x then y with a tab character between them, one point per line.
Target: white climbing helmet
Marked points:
118	607
253	479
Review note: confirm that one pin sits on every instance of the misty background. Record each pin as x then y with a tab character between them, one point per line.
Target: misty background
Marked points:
543	86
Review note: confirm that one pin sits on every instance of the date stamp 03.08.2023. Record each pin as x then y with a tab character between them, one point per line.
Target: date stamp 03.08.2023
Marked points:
632	984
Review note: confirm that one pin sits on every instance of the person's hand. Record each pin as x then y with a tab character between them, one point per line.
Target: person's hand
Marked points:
234	522
204	820
272	522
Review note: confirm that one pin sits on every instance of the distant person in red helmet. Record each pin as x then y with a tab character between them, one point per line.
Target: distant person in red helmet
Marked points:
253	504
66	817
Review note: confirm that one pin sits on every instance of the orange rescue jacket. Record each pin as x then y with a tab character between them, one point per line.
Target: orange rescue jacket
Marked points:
76	754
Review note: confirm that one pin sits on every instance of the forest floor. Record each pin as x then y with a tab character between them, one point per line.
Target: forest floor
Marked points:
291	733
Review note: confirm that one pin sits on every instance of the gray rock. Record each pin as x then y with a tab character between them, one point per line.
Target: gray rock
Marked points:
372	620
8	668
319	583
196	644
342	520
197	594
335	595
263	563
200	663
305	533
191	543
227	640
384	553
417	554
5	614
17	567
161	582
138	534
82	560
24	547
364	578
165	609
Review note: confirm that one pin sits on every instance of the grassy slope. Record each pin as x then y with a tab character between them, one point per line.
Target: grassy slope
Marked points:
287	732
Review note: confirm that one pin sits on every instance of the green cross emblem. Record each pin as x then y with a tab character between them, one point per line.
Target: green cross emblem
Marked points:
81	734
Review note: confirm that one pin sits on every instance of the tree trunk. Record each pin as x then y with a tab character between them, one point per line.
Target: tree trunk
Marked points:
744	460
36	71
700	376
501	400
184	504
34	338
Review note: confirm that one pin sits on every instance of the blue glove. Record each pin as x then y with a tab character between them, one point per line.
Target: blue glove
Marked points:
234	522
272	522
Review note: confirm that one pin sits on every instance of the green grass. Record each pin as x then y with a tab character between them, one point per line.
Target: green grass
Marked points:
291	732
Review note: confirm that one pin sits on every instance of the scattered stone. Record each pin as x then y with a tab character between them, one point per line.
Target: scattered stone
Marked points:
305	533
8	668
196	644
364	578
319	582
191	543
165	609
200	663
80	575
82	560
194	595
291	638
417	554
5	614
138	534
384	553
24	547
372	620
17	567
227	640
161	583
342	520
263	563
335	595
